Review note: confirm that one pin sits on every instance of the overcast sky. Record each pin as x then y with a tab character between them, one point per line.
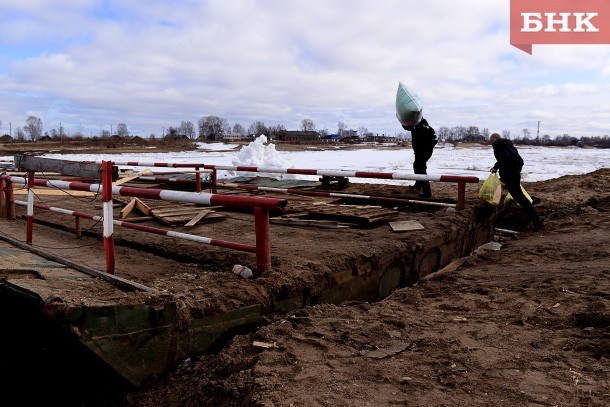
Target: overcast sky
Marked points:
90	64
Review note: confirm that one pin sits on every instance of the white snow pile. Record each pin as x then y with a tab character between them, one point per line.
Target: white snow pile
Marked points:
261	154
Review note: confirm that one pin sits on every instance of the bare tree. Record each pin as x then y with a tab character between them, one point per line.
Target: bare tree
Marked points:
485	133
273	131
33	127
258	128
363	131
122	130
20	134
444	133
211	126
187	129
308	125
341	127
526	133
506	134
239	129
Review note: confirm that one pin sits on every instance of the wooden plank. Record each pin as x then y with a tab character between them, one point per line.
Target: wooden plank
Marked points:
128	208
142	207
197	218
125	179
175	211
406	226
324	224
182	219
55	192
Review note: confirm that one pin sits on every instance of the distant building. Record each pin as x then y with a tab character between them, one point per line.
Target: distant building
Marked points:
6	139
330	138
298	136
137	140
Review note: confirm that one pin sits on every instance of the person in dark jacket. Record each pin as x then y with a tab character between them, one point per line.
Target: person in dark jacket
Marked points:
510	163
423	140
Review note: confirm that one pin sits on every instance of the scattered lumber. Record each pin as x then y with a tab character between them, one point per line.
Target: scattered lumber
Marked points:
170	213
360	214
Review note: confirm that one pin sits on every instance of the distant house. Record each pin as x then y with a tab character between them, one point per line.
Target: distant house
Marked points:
330	138
137	140
45	138
6	139
474	138
299	136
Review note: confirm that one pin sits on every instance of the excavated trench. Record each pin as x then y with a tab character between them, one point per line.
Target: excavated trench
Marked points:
77	353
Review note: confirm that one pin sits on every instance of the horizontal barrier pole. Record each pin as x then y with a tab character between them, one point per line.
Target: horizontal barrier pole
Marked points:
149	229
398	175
201	198
297	191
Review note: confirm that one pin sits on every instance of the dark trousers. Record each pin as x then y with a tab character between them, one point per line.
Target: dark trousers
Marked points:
512	180
419	167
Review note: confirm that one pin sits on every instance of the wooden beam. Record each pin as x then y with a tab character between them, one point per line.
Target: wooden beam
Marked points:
197	218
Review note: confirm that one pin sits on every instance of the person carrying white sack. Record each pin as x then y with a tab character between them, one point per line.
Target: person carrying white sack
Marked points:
423	137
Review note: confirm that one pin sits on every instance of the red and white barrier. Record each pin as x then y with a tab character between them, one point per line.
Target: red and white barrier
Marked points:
461	180
149	229
154	193
108	215
261	207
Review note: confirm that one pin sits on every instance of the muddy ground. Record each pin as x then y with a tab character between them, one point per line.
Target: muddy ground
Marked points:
525	325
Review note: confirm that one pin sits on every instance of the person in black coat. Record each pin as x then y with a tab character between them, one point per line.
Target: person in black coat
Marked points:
510	163
423	140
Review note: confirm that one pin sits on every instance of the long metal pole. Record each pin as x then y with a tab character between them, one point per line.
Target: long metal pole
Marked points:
108	215
30	208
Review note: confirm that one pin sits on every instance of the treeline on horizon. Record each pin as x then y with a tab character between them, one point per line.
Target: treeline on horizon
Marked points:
213	128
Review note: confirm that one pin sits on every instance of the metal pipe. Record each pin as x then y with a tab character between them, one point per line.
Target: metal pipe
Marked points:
263	241
108	215
30	208
202	198
297	191
149	229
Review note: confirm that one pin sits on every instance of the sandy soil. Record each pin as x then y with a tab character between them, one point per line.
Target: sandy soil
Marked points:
525	325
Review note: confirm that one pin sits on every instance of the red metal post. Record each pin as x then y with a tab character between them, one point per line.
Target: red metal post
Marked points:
108	215
30	208
461	195
77	226
198	179
214	181
263	241
2	200
8	197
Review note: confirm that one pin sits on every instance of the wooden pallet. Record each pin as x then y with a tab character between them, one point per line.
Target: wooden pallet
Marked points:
361	214
173	213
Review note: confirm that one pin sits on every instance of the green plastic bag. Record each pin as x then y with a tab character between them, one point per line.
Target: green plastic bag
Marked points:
408	106
491	191
509	201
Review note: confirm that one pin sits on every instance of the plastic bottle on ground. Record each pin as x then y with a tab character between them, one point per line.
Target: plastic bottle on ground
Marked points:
242	271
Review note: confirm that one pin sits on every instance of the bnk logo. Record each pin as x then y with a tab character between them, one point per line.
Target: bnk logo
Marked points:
559	22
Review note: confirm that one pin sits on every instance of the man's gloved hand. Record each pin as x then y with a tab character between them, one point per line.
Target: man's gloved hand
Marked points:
493	170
